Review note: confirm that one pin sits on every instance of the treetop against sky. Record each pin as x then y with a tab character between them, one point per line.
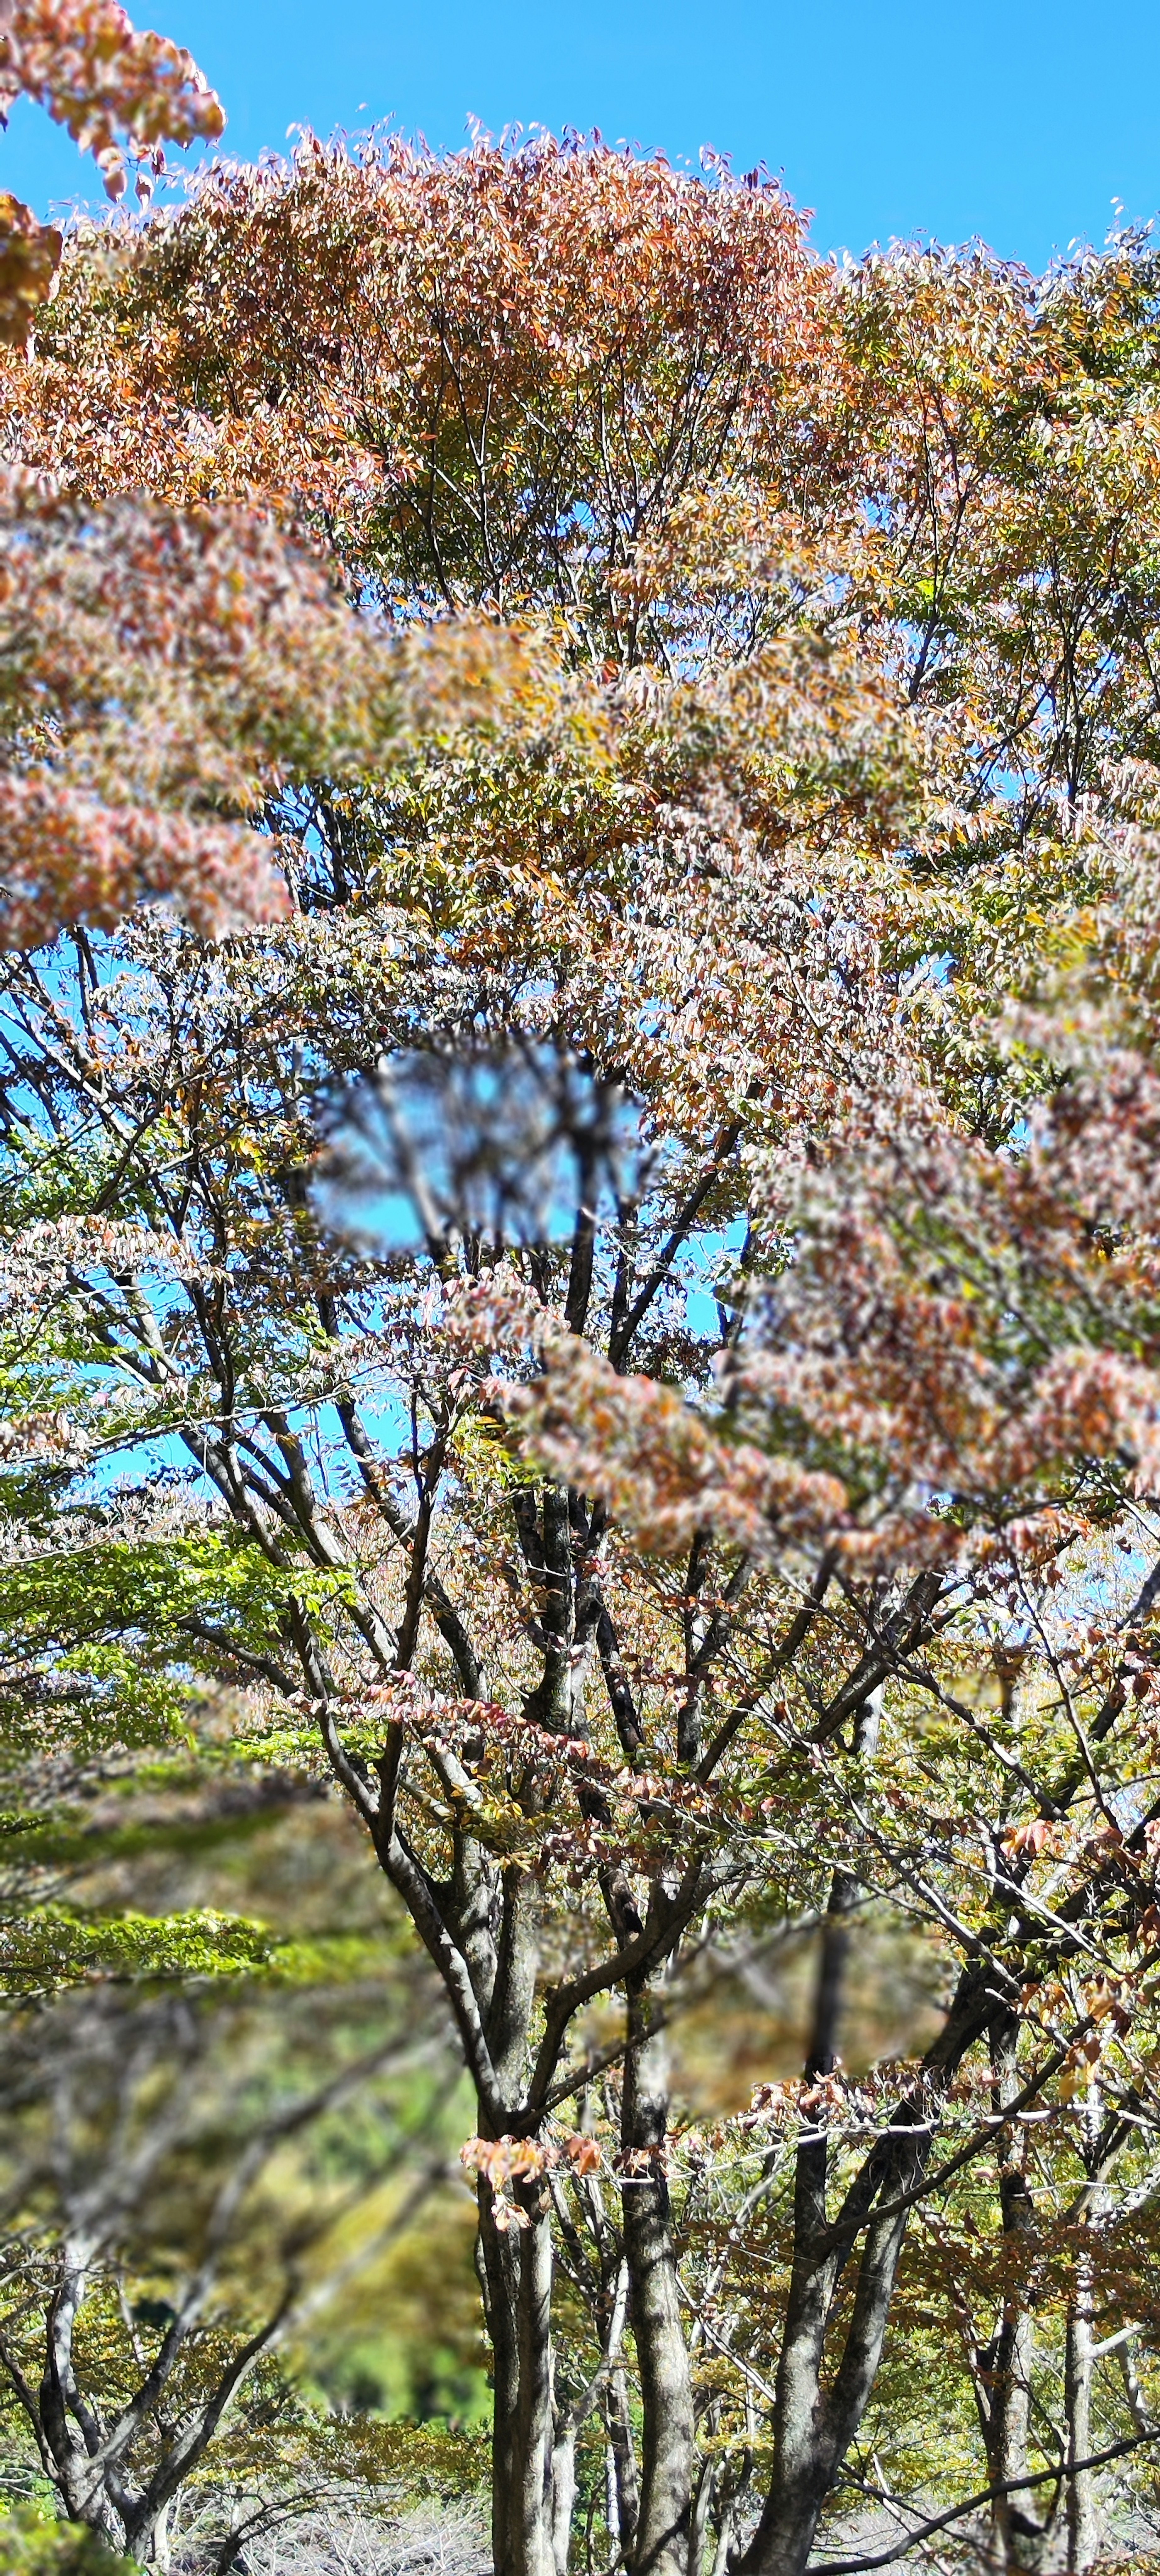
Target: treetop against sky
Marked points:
1019	124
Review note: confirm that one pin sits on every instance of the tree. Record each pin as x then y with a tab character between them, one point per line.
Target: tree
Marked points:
722	1530
169	669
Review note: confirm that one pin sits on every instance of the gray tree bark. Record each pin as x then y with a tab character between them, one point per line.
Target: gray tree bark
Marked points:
661	2542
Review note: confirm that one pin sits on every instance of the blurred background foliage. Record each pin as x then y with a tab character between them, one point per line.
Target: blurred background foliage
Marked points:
381	2380
133	2099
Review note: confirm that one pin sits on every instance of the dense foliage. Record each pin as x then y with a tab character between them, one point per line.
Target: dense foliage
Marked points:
121	94
621	1332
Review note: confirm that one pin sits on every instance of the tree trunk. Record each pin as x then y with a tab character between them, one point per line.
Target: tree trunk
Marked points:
1083	2535
71	2430
531	2530
515	2273
1021	2537
563	2495
814	2423
1083	2520
704	2495
496	2267
626	2490
663	2520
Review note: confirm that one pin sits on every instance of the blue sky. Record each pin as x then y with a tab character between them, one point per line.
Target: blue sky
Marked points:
1017	121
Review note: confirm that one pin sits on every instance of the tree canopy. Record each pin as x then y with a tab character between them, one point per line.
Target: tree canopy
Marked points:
584	1272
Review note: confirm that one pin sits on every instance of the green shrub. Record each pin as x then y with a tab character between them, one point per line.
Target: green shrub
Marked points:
30	2546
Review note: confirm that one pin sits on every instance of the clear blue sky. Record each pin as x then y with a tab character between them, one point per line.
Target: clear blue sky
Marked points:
1015	120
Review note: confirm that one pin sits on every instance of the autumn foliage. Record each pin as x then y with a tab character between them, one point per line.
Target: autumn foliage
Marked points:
118	92
661	718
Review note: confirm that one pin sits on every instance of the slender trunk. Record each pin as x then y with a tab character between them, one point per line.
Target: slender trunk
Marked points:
532	2519
563	2495
71	2430
515	2274
1020	2536
626	2489
1134	2393
1083	2520
724	2548
704	2495
151	2540
802	2453
815	2421
662	2529
802	2447
1083	2536
496	2265
806	2452
514	2265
